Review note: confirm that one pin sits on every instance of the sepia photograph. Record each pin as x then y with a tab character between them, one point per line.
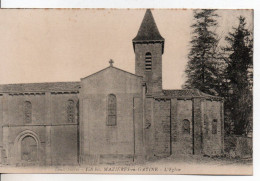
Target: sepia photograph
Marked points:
126	91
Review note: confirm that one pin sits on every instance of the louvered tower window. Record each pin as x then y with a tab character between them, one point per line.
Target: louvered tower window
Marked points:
148	61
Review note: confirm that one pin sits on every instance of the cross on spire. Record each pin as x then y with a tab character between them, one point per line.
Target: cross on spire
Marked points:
111	62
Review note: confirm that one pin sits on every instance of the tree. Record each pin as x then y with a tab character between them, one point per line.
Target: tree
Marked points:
239	104
202	69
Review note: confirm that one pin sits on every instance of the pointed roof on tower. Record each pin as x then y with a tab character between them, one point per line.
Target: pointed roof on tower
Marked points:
148	30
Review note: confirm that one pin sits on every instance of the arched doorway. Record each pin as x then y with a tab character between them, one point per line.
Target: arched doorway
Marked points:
29	149
27	146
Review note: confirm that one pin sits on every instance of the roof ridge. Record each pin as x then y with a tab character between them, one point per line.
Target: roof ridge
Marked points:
39	83
187	92
95	73
126	71
43	86
108	68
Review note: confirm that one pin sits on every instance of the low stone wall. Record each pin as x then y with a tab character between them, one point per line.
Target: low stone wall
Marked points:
238	146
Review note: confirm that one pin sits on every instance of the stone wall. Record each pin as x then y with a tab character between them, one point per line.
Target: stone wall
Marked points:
16	109
100	142
49	127
162	132
212	143
152	78
98	138
182	142
59	113
149	128
183	126
64	145
11	139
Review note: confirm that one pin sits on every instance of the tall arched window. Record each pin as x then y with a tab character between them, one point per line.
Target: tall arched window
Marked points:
186	126
111	110
71	111
214	126
27	112
148	61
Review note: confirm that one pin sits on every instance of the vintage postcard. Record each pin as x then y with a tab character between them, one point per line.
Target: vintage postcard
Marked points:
126	91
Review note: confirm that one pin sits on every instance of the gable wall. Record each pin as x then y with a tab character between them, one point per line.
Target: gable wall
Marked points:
99	142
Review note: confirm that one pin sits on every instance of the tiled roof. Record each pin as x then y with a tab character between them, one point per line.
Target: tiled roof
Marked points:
40	87
187	93
148	29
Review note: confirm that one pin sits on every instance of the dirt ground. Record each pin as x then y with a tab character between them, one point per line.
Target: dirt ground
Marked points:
194	159
181	164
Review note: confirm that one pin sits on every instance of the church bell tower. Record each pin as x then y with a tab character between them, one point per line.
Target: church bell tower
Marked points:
148	47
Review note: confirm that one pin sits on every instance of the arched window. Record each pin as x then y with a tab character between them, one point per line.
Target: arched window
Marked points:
71	111
148	61
28	149
27	112
186	126
214	126
111	110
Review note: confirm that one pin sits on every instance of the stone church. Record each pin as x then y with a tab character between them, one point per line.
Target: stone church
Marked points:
109	116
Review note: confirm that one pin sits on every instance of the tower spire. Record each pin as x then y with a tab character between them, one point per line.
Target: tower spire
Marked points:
148	31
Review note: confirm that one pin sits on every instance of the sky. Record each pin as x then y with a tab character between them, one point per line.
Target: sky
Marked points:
57	45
